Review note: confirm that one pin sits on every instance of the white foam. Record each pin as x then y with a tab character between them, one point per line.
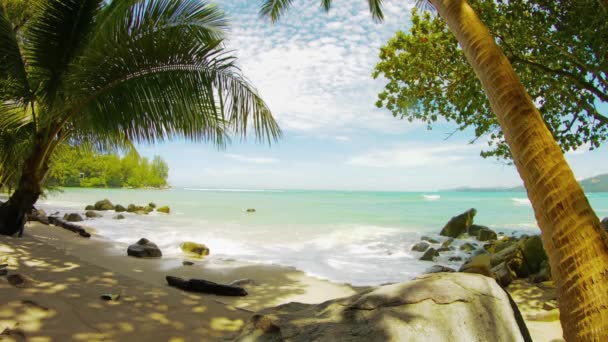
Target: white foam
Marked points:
231	190
431	197
521	201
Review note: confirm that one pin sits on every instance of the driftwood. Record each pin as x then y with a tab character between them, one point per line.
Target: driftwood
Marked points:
54	220
205	286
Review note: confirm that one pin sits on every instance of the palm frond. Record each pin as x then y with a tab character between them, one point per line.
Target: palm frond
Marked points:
375	8
273	9
425	5
55	36
163	73
326	5
13	80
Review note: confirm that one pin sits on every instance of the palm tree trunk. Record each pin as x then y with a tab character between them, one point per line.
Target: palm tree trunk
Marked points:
571	233
13	211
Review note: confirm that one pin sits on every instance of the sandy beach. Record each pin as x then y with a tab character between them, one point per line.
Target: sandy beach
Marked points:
67	274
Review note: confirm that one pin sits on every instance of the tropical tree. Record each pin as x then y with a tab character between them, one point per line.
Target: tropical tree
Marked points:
108	72
428	77
576	244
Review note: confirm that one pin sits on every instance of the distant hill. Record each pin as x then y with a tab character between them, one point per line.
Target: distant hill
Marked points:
597	183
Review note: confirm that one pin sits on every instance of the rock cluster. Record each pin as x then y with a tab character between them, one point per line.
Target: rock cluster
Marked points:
106	204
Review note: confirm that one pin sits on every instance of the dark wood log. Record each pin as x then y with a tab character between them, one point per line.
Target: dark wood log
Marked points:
205	286
54	220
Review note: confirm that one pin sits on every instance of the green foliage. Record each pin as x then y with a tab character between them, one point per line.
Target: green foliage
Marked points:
559	49
274	9
78	167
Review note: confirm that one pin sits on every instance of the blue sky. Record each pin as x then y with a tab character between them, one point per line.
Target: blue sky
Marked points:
314	71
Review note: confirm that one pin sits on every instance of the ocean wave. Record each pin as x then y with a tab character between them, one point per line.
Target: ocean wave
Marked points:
431	197
521	201
231	190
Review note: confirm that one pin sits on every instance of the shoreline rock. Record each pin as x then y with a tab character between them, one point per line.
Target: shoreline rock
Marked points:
144	248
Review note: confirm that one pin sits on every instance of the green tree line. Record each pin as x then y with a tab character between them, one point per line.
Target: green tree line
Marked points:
75	167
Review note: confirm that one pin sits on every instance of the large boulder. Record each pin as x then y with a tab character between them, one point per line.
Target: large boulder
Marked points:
89	207
434	307
73	217
104	204
165	209
119	208
197	249
486	234
144	249
474	229
420	247
458	225
534	253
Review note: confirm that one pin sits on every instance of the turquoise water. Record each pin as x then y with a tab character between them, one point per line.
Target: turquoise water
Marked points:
361	238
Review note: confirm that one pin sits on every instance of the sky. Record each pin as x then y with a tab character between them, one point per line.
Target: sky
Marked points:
314	71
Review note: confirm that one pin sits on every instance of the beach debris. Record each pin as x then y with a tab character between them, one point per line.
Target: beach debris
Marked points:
430	255
420	247
187	263
17	280
92	214
205	286
110	296
250	210
197	249
164	209
429	239
246	282
119	217
104	204
73	217
458	225
144	248
119	208
438	269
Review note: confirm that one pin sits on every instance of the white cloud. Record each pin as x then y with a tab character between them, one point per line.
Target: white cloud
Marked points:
414	155
342	138
253	160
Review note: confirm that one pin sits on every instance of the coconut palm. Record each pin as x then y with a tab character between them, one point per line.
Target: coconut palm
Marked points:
128	70
571	232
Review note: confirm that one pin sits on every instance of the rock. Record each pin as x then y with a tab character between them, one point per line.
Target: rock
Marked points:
250	210
468	247
486	235
205	286
479	264
148	209
458	224
197	249
133	208
430	255
144	249
447	243
548	306
438	269
503	243
420	247
89	207
119	208
604	223
119	217
434	307
187	263
444	249
534	253
91	214
428	239
104	205
73	217
164	209
474	229
152	205
17	280
40	212
455	258
544	274
243	282
503	274
141	212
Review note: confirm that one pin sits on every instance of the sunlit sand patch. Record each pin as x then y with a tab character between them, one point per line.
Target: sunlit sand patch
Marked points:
226	324
90	337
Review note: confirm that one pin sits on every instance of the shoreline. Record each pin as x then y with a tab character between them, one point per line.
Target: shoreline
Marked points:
67	274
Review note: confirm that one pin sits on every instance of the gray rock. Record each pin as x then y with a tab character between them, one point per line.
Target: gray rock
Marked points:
474	229
92	214
73	217
455	258
468	247
434	307
104	204
430	255
89	207
187	263
438	269
119	217
458	225
144	249
420	247
119	208
428	239
152	205
447	243
503	274
164	209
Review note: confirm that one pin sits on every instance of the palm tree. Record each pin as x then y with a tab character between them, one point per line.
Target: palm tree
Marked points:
128	70
571	232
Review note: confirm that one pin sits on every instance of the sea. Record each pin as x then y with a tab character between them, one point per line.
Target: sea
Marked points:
356	237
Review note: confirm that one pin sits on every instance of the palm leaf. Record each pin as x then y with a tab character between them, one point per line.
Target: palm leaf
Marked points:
13	81
273	9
